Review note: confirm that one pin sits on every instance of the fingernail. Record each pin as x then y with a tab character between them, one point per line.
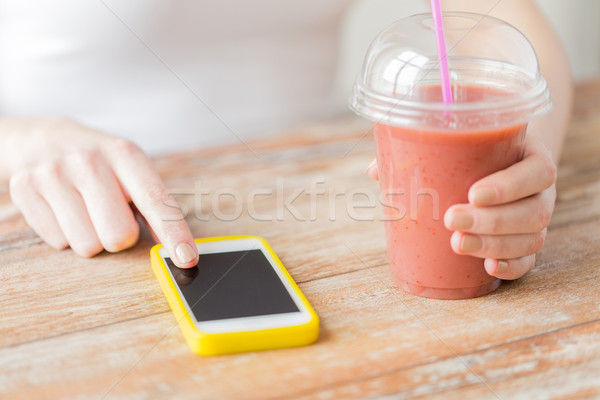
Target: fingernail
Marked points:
502	267
461	220
185	253
373	163
470	244
482	196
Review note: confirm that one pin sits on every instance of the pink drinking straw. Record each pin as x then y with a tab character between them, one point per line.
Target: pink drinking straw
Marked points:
440	42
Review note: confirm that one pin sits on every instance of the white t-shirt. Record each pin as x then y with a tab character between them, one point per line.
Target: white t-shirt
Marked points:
171	74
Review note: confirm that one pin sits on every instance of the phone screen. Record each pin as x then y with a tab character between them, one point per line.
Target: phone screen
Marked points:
232	285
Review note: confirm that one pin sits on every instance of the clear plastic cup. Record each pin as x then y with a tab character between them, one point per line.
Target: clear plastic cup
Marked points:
429	153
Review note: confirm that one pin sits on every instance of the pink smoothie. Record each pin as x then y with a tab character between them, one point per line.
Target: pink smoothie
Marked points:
422	173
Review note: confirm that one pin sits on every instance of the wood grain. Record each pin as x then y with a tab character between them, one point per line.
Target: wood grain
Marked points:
99	328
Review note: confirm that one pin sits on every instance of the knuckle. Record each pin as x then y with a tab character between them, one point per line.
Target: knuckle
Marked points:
545	215
494	223
19	183
552	194
550	171
538	242
156	194
50	171
529	264
520	267
84	158
124	147
84	166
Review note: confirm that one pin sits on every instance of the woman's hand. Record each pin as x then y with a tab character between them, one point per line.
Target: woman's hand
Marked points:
74	186
507	215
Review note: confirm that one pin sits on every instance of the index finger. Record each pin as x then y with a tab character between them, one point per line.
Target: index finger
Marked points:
149	194
535	173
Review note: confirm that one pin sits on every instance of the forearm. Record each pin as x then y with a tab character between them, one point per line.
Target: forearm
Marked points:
552	128
526	17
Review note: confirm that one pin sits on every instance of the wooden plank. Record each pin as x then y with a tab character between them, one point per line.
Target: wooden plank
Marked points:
47	293
374	322
563	364
369	328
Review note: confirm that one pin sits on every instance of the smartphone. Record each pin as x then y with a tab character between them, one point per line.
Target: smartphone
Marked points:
238	298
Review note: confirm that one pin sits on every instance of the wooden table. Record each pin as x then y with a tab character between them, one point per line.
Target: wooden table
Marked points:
100	328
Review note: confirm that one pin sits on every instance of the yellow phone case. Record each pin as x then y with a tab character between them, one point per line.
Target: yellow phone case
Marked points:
235	342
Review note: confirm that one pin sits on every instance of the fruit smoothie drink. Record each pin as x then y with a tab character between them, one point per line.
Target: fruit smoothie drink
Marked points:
423	173
431	150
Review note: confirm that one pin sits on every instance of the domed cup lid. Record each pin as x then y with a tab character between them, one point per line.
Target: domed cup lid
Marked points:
493	68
